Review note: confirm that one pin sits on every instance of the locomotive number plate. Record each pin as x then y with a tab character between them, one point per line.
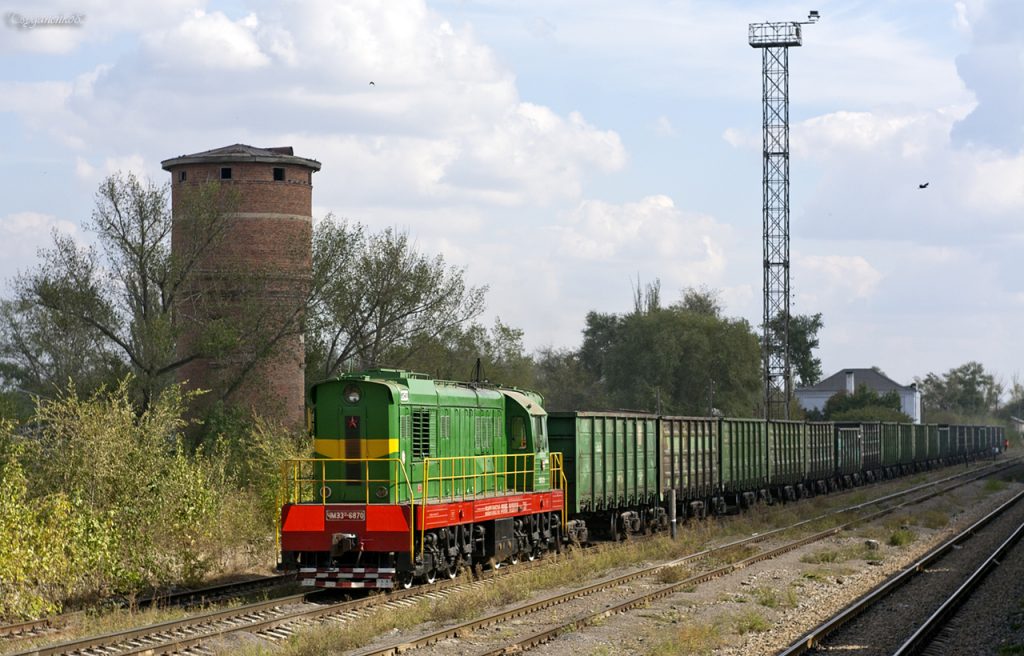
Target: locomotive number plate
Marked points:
351	515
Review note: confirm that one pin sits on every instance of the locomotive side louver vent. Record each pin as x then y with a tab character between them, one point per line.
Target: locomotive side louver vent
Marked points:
420	434
445	426
484	435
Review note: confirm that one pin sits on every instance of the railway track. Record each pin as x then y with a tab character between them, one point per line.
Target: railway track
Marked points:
276	619
188	598
903	614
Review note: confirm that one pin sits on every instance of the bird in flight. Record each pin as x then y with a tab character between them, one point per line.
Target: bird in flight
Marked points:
920	186
372	84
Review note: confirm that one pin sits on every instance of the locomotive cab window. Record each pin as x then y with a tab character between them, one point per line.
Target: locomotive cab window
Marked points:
518	433
540	438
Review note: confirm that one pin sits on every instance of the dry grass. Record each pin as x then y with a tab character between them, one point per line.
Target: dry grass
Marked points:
340	639
994	485
857	551
698	638
902	537
750	621
773	598
933	519
673	574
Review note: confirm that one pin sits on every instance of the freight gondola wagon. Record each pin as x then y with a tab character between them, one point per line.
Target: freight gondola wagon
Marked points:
787	458
821	445
612	473
744	460
689	463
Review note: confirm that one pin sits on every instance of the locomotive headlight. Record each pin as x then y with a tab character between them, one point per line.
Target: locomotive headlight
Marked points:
382	491
352	394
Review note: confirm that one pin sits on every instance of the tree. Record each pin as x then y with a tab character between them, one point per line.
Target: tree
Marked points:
681	359
803	339
865	405
452	355
115	305
376	297
965	391
565	382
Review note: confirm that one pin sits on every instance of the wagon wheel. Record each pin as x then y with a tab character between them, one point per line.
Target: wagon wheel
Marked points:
405	579
430	576
533	554
452	570
514	559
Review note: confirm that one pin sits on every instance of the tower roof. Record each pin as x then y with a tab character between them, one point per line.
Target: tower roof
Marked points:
242	153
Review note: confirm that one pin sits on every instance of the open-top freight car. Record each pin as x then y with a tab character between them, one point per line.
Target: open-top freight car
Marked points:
416	478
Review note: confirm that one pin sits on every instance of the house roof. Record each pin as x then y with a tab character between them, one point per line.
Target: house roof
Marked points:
874	379
243	153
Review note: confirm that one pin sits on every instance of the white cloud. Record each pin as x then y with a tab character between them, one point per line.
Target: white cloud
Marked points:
649	231
22	234
836	277
443	122
663	127
211	41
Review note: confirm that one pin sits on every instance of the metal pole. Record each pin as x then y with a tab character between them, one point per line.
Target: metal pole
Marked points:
672	511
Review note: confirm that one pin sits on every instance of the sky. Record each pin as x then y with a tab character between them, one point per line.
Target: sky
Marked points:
561	150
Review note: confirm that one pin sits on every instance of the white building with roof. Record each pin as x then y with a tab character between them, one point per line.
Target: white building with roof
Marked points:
848	380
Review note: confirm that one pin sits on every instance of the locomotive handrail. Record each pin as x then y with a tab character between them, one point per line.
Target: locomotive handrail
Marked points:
463	484
292	482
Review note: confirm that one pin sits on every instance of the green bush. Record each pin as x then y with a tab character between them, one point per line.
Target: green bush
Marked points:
96	497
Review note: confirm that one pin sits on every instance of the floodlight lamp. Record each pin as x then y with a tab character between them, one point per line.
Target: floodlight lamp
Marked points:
813	16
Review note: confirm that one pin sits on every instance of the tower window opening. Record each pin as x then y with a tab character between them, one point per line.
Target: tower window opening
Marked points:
182	176
278	174
225	173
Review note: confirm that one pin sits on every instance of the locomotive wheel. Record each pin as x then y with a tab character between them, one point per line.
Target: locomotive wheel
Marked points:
514	559
452	570
405	580
430	576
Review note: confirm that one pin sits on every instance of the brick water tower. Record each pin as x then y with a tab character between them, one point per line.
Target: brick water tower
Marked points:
242	303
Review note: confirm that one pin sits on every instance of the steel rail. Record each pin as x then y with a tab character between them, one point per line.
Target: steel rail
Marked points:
814	637
930	627
264	624
32	628
636	600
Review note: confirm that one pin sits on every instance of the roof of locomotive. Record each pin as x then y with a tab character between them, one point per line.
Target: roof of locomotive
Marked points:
413	387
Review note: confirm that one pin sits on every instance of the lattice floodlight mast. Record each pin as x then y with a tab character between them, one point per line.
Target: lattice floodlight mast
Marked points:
774	40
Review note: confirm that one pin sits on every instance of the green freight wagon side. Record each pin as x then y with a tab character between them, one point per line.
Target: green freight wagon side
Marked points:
932	438
689	457
611	459
890	444
821	464
744	457
849	448
906	441
947	447
962	441
871	449
787	457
